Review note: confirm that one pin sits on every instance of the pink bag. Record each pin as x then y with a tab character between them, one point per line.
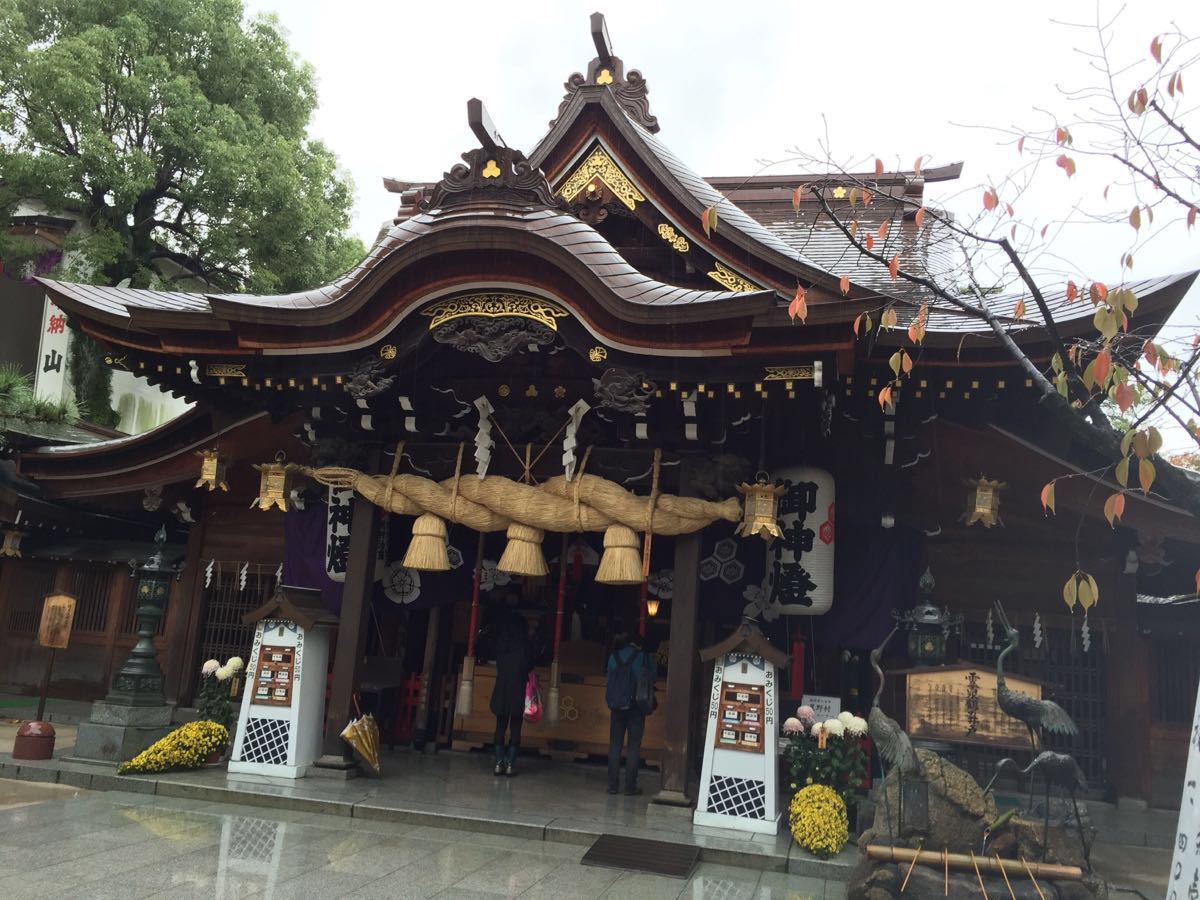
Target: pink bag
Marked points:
533	699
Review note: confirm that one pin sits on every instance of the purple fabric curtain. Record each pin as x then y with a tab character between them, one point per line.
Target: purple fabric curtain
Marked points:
304	553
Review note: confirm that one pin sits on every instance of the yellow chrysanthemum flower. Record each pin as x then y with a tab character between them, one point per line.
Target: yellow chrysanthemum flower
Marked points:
817	816
184	748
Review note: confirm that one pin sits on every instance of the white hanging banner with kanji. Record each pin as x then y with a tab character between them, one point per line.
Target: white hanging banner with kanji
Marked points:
1184	878
49	377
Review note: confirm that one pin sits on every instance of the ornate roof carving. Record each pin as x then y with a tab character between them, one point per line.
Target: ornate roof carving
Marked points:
607	70
491	175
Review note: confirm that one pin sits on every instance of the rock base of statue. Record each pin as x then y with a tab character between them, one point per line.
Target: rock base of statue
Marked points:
116	733
959	813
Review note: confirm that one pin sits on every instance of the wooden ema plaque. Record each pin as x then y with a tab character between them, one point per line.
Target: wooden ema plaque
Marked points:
58	616
741	723
958	704
273	680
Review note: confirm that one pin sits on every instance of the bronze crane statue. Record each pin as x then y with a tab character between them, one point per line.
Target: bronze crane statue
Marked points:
1041	717
1059	770
889	738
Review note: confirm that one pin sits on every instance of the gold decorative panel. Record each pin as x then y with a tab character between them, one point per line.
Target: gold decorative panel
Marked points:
731	280
600	165
225	370
789	373
674	238
495	306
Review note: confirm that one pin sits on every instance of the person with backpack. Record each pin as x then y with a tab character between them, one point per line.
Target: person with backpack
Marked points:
514	661
630	696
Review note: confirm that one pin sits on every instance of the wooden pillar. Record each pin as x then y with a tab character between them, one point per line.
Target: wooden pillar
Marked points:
352	631
422	731
1130	703
181	669
681	671
120	590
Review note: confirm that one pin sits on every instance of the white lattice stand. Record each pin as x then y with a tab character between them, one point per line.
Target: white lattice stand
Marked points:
283	704
738	786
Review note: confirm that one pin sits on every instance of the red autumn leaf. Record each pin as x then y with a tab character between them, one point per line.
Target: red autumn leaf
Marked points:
894	267
1048	497
1021	144
796	196
919	218
883	229
1114	508
859	321
1072	292
1045	228
1098	292
906	363
708	220
1124	397
990	199
878	168
1146	474
870	242
1019	312
917	165
866	196
1151	353
1191	218
844	284
1012	232
1008	209
1179	82
1156	49
1103	366
798	308
885	397
1062	136
1065	163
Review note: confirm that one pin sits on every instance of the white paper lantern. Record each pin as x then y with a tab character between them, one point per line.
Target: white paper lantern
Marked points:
799	577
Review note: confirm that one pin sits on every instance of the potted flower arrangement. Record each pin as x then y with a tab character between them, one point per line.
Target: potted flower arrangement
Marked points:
187	747
218	684
829	753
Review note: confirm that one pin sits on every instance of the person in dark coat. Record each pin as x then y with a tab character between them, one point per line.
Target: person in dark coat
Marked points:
627	718
513	663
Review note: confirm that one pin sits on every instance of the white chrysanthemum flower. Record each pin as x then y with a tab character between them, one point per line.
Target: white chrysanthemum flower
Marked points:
235	664
834	727
845	717
209	667
815	731
223	673
857	726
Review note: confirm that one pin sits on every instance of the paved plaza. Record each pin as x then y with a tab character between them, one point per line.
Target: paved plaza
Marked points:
57	841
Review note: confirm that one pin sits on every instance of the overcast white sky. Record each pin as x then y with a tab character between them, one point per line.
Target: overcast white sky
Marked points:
731	83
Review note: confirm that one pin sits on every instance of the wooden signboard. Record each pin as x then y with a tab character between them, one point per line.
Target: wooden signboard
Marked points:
273	680
958	704
741	725
58	616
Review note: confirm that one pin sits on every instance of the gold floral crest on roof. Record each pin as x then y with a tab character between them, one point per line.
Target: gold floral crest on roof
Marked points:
600	165
495	306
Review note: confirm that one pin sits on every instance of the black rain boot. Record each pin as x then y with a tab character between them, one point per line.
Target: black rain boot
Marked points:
510	766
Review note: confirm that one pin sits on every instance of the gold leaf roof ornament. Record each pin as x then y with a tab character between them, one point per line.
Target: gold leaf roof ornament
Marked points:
731	280
599	165
495	306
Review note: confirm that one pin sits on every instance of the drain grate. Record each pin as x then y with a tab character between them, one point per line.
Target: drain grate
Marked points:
639	855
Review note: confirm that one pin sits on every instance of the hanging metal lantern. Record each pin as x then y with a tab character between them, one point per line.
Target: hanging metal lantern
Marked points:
212	471
652	604
929	628
761	508
983	502
274	484
12	543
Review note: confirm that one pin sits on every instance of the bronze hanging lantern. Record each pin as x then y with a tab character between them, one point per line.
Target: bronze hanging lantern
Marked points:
983	502
212	471
12	543
929	628
761	508
275	484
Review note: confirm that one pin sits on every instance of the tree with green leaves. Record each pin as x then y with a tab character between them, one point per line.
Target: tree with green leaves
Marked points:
176	131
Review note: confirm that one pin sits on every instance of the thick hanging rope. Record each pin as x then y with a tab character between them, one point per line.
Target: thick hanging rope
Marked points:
492	503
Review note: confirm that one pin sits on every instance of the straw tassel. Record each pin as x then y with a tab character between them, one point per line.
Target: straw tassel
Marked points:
427	550
621	562
523	553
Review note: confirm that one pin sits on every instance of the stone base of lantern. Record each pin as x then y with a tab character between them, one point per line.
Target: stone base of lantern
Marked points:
116	733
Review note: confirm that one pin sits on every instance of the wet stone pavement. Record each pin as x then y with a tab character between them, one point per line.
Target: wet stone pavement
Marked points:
61	842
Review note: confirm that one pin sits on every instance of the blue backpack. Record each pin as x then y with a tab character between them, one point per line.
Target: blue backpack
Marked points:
631	682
